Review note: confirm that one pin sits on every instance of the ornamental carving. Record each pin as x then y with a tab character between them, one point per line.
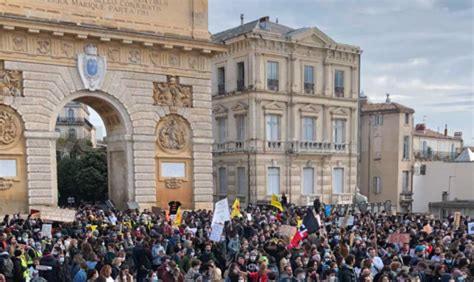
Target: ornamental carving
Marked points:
172	133
11	83
172	93
9	127
173	183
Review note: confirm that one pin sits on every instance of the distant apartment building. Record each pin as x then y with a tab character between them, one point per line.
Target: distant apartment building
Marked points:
430	145
386	160
285	114
73	123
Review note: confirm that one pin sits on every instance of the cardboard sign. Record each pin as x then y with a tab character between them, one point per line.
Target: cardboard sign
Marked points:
470	228
345	221
46	230
287	230
399	238
57	214
457	220
216	232
221	212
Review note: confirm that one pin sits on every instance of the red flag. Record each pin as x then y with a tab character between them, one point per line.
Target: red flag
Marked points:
300	234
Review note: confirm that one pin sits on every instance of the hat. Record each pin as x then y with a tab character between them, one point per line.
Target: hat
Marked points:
419	248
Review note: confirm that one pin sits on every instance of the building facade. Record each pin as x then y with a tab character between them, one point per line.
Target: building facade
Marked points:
429	145
285	114
386	160
145	69
73	123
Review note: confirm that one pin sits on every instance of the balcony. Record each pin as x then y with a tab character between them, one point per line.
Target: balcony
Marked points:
342	199
221	89
429	155
227	147
272	84
339	92
308	200
406	198
309	88
317	147
240	85
71	121
275	146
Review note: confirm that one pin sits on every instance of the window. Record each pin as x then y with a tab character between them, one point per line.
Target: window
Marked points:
221	80
70	114
240	76
308	181
272	76
273	128
338	180
453	151
377	184
405	181
221	124
407	118
378	120
406	147
425	148
240	124
339	131
309	79
222	180
308	129
241	181
273	181
339	83
72	133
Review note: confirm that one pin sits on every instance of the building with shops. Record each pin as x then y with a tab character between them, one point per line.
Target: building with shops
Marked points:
285	114
386	156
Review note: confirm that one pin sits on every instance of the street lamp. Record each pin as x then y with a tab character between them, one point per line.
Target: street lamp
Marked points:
449	187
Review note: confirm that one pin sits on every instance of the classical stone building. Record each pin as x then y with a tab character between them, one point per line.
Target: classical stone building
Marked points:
143	66
73	123
386	160
285	114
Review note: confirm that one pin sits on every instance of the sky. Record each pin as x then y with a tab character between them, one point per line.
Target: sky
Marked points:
419	51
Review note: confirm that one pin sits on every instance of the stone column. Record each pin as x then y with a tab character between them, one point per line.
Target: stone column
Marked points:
41	168
258	71
354	82
327	79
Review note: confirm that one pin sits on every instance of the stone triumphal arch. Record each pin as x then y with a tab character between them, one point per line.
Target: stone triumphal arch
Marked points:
144	68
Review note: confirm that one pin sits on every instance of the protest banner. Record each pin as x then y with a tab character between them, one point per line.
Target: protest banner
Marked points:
46	230
133	206
399	238
457	220
216	232
286	230
470	228
221	212
57	214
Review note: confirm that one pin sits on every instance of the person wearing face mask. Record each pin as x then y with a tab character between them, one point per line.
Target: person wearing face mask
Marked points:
49	260
124	275
193	271
172	273
347	273
207	255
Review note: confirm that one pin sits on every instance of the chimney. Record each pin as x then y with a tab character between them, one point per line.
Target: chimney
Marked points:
445	130
388	98
241	19
458	134
420	127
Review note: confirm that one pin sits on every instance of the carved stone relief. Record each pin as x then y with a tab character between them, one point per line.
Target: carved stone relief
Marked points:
67	48
171	93
43	46
5	184
113	54
173	135
155	58
11	83
134	56
10	128
173	183
19	43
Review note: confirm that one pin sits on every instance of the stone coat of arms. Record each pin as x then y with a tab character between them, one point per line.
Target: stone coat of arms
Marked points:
91	68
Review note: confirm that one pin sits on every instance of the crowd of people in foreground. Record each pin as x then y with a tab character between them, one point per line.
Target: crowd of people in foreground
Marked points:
112	245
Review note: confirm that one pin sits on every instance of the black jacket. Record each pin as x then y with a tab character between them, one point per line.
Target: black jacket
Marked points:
18	270
50	275
347	274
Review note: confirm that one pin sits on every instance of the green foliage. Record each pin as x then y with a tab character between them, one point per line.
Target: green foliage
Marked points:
84	177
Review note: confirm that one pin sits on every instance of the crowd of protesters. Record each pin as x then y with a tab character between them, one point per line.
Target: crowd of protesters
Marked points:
111	245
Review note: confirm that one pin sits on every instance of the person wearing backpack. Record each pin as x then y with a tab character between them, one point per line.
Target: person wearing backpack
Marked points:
6	265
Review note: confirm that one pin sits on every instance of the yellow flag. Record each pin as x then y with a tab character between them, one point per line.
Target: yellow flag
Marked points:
177	220
276	202
236	209
299	222
93	228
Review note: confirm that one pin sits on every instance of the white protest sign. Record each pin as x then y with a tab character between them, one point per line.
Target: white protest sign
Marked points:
57	214
249	217
221	212
470	228
46	230
216	232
